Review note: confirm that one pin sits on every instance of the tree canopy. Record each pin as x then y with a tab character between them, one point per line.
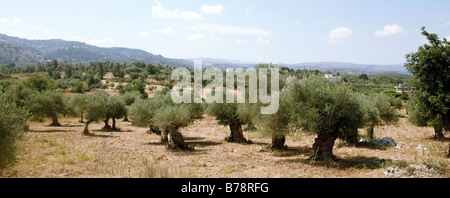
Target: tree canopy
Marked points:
430	66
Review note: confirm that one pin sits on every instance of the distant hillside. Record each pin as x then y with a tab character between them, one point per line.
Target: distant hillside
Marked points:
350	68
23	51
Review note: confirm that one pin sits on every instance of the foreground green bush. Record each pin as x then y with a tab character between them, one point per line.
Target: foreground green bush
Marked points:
13	123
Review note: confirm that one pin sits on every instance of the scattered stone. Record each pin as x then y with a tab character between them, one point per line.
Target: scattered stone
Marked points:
421	146
395	159
399	145
412	171
386	141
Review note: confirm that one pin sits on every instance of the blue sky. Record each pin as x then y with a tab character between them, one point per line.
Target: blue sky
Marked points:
363	31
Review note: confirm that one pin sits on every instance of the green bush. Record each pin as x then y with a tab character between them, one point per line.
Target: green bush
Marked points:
13	123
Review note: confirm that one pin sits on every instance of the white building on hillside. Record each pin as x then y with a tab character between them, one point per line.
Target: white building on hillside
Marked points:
333	78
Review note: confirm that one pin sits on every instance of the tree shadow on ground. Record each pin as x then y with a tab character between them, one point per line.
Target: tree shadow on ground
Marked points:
367	145
100	136
71	125
50	131
203	143
432	138
358	162
111	130
259	143
289	151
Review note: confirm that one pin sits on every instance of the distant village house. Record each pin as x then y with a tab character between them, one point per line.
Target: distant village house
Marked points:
333	78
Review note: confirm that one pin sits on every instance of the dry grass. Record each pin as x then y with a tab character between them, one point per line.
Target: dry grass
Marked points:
50	152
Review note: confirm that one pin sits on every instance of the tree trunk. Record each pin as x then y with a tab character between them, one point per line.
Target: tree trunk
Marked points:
55	122
448	155
323	147
164	136
351	137
278	141
81	118
114	124
236	134
86	124
154	130
126	118
447	121
369	133
438	133
175	140
106	127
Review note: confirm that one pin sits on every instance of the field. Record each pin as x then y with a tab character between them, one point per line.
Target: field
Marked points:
62	152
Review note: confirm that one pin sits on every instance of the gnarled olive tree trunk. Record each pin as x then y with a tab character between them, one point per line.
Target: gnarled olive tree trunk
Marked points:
369	130
278	141
175	140
86	125
107	126
438	134
323	147
55	122
236	134
448	155
81	118
447	121
164	136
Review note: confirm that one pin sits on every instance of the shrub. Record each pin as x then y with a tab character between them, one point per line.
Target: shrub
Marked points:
13	123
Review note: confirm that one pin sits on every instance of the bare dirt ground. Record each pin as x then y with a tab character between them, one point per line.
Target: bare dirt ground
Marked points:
62	152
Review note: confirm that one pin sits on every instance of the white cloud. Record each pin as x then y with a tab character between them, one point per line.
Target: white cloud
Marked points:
446	23
238	41
158	11
4	21
19	28
339	34
389	30
18	22
213	9
144	34
224	29
201	37
262	41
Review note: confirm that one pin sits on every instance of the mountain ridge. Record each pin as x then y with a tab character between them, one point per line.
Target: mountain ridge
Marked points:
23	52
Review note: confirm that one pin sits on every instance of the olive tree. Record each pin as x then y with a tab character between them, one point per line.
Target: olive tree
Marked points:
379	109
96	109
40	83
277	125
116	109
170	119
13	123
47	104
129	98
141	112
163	116
227	114
326	108
78	104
